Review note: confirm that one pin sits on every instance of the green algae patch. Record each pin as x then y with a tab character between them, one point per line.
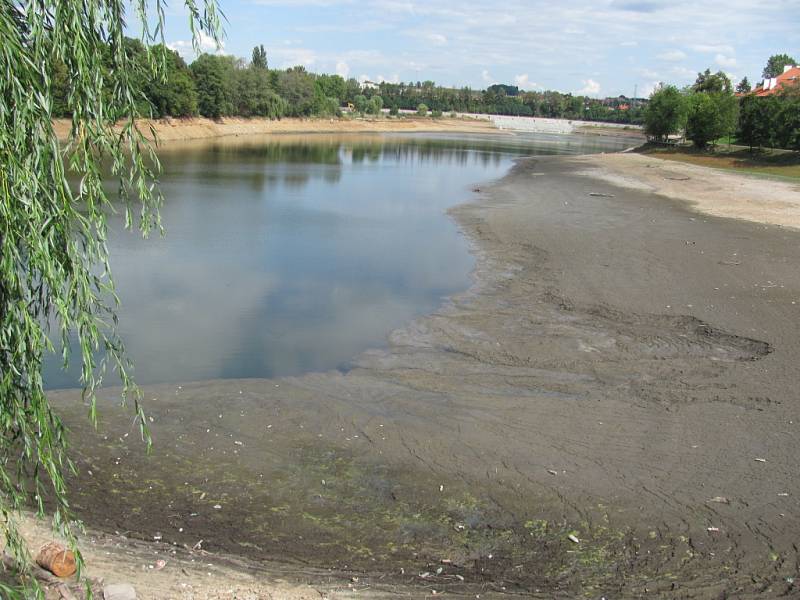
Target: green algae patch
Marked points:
326	505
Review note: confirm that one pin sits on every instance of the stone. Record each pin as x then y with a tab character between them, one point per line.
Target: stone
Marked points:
119	591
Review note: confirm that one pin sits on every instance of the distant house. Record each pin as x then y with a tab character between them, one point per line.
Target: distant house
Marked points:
773	85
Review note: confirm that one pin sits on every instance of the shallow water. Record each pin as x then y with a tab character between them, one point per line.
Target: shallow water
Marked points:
290	254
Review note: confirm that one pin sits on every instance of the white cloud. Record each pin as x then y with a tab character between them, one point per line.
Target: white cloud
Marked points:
524	83
342	69
725	61
205	43
672	55
590	87
649	88
292	57
713	48
537	37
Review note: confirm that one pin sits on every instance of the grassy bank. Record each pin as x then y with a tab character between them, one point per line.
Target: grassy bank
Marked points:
773	163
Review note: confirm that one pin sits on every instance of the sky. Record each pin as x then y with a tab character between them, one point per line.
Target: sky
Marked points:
594	47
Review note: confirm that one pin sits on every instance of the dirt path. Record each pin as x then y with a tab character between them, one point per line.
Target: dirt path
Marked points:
610	410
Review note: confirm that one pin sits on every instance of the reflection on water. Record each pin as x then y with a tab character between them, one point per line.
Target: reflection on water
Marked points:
290	254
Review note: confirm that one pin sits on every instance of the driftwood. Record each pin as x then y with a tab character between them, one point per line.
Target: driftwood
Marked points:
57	559
35	570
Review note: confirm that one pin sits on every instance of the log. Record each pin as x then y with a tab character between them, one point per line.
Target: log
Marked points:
57	559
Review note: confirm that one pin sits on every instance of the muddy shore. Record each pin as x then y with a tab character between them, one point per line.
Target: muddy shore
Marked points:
610	410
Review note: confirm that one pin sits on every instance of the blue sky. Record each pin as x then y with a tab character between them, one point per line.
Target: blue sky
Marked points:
595	47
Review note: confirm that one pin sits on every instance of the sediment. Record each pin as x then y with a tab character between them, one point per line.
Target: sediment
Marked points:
621	372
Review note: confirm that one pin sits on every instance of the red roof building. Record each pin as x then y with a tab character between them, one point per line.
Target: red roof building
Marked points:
789	77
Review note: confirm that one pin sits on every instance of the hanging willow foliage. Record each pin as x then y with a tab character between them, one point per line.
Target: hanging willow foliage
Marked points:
54	274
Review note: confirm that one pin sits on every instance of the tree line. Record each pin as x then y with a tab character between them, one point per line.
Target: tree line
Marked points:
710	109
218	86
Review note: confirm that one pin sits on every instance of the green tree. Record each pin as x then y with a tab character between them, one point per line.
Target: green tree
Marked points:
360	103
710	117
259	60
54	271
788	118
375	105
214	78
422	110
744	86
331	86
172	94
254	96
775	64
758	120
665	113
712	82
296	86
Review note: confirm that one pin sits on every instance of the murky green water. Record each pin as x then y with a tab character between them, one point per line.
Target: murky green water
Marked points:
290	254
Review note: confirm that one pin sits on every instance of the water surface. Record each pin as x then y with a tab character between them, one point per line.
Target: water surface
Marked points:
289	254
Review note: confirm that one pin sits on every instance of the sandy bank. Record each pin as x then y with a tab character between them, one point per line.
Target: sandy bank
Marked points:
169	130
708	191
613	374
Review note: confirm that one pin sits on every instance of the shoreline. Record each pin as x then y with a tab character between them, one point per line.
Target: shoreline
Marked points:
198	128
563	325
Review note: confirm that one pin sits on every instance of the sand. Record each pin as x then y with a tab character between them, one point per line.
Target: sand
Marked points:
710	191
171	130
622	371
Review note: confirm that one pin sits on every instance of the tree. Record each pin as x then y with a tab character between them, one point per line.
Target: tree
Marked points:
296	86
214	78
710	117
712	82
259	60
422	110
174	94
744	86
331	86
788	119
54	271
665	113
775	64
360	103
375	105
758	120
254	95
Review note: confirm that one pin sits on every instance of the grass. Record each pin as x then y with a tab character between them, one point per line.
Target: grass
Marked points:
773	163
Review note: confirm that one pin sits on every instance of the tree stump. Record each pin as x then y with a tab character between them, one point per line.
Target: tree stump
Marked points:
57	559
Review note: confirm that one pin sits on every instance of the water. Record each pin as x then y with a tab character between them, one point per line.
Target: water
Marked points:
291	254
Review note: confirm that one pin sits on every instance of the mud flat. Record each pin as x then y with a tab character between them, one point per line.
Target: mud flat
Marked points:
611	410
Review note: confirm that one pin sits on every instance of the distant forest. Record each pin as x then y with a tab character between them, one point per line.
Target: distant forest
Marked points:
217	86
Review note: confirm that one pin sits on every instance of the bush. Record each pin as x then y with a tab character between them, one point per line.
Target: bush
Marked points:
394	110
422	110
436	114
